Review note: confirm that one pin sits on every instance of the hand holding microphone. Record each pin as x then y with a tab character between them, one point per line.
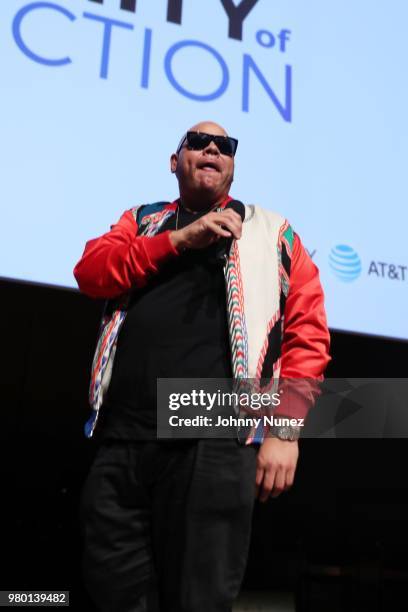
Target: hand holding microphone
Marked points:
221	227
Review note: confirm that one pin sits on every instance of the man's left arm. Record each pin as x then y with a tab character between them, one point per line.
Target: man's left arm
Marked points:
304	358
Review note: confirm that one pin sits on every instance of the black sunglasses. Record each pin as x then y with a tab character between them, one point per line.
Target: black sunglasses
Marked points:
197	141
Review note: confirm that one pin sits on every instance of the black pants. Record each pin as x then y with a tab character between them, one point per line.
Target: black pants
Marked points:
166	524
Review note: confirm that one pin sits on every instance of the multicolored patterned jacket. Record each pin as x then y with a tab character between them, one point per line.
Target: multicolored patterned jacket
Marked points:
277	322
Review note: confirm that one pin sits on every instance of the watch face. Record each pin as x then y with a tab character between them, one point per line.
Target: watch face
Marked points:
285	433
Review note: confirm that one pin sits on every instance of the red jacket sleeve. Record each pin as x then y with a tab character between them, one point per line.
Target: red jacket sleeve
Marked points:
119	260
306	338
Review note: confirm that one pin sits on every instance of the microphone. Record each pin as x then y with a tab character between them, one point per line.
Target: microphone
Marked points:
223	246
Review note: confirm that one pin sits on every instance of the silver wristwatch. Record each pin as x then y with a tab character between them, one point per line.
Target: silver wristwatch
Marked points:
285	432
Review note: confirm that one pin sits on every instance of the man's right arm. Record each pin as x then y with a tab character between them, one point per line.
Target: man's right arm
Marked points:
119	260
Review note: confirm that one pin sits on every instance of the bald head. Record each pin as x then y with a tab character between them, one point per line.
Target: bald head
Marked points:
204	175
210	127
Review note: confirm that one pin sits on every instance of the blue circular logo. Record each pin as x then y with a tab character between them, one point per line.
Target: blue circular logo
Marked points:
345	263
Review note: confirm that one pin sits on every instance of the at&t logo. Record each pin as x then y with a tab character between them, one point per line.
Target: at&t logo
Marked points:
345	263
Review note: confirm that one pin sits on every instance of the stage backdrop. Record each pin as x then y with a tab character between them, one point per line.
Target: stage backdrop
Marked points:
97	93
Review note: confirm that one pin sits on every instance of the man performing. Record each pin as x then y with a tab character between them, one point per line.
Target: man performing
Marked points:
202	287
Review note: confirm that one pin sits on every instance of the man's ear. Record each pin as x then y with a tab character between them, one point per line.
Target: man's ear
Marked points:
173	162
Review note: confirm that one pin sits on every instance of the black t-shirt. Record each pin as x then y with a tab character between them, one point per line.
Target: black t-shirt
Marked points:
176	327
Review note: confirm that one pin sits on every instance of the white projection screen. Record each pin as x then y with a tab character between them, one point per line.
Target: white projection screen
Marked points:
95	96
